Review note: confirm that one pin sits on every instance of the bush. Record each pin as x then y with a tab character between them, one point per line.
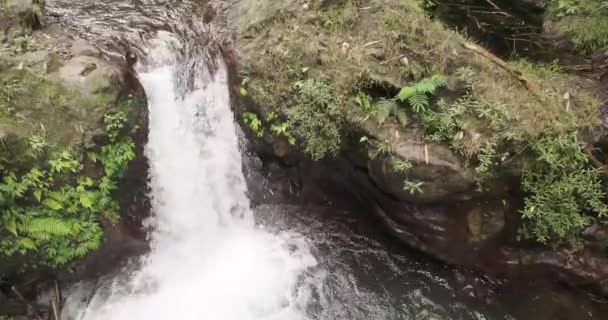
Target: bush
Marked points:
585	20
52	209
562	192
315	119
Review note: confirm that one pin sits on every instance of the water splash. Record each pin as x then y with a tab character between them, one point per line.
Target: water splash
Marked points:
208	259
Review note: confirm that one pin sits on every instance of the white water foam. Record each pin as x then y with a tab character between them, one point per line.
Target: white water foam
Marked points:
208	259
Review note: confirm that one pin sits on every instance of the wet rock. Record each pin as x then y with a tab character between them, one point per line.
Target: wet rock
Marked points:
36	59
484	224
89	75
442	173
81	47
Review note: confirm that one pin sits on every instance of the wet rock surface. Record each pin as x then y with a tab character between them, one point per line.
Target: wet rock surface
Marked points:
99	83
449	220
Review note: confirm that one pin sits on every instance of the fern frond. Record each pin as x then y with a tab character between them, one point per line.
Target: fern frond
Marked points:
419	102
402	117
383	110
439	80
49	226
405	93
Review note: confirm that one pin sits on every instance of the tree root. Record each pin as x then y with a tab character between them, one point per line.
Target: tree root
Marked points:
528	84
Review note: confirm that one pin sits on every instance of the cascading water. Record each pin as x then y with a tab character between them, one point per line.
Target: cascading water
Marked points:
208	260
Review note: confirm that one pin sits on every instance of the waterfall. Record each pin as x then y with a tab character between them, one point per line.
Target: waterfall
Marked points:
208	259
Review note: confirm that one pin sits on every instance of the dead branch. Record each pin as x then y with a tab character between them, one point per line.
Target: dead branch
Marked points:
529	85
595	162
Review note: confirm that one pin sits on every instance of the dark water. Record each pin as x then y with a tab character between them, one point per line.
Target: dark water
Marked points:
366	276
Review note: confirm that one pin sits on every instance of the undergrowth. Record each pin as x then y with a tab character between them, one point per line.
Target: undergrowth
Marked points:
564	193
585	20
52	209
51	197
315	118
320	66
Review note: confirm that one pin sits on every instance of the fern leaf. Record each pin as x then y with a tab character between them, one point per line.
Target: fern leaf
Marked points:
425	86
11	226
383	110
38	194
50	226
402	117
405	93
53	204
27	243
439	80
419	102
85	200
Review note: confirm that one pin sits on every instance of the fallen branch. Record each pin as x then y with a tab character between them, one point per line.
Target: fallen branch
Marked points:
529	85
595	162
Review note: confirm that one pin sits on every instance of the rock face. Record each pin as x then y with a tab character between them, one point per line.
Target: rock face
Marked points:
67	98
450	219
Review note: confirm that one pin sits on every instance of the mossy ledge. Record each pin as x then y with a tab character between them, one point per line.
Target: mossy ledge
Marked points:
73	175
505	145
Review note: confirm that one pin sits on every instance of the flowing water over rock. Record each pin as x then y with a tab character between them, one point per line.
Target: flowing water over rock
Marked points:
211	256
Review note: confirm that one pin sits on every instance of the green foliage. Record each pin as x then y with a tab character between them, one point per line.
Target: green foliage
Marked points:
563	192
10	90
402	166
52	210
37	145
315	119
383	148
243	88
270	122
585	20
564	195
255	124
25	44
413	187
417	94
385	108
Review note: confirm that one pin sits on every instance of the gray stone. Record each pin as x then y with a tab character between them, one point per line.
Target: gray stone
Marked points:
442	173
81	47
88	74
36	59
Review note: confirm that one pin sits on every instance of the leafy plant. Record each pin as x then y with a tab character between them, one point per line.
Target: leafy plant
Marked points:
383	148
315	118
413	187
385	108
37	144
562	193
585	20
10	89
25	44
402	165
243	88
255	124
417	93
270	121
51	211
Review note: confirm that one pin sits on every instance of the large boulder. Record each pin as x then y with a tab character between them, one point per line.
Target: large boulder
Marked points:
377	47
